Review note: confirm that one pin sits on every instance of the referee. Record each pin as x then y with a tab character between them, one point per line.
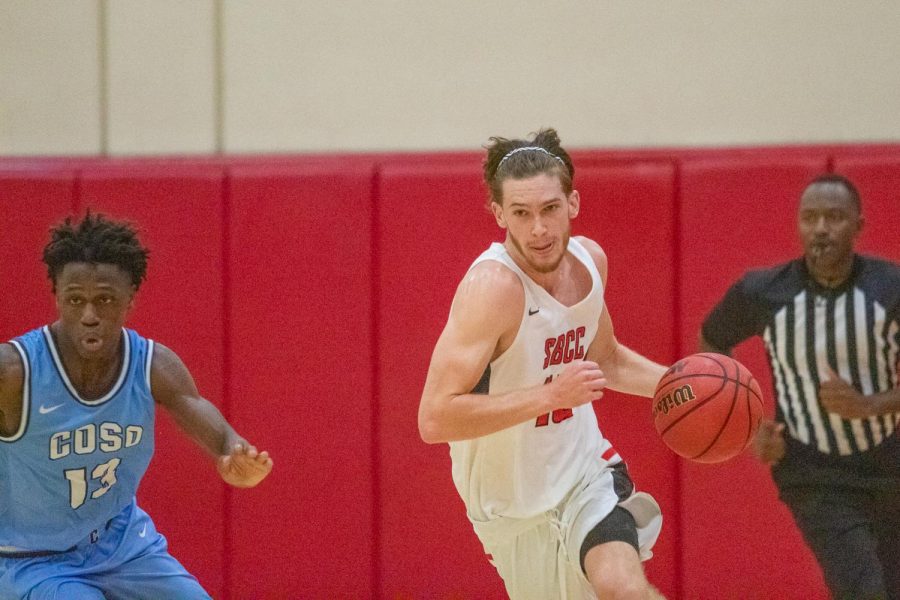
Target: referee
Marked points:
830	321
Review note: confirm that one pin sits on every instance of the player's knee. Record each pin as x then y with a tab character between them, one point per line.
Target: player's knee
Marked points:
619	579
625	587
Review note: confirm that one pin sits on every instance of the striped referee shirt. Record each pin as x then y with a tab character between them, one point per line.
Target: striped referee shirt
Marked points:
854	328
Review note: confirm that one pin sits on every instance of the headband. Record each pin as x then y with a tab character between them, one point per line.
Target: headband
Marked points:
523	148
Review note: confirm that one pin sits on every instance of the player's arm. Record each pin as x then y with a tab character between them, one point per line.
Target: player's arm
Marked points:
238	462
486	309
626	370
12	378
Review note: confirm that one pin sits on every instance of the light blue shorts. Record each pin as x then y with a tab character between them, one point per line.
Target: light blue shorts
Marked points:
128	559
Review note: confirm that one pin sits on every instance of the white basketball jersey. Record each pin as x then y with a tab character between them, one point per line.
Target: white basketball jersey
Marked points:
529	468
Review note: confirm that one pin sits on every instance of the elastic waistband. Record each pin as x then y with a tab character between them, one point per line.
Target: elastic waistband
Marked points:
91	538
500	528
34	553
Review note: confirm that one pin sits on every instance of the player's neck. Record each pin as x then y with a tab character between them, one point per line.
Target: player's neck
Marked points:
93	377
549	280
559	283
548	277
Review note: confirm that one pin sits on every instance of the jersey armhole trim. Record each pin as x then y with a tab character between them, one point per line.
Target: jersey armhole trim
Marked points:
148	364
26	395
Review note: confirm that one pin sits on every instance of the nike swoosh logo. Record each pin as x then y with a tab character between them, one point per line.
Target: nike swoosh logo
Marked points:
48	409
533	311
143	531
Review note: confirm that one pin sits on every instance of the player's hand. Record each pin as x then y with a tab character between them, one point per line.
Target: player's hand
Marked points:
580	382
839	397
768	443
244	467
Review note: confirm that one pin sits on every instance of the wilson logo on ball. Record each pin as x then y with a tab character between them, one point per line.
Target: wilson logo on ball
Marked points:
672	399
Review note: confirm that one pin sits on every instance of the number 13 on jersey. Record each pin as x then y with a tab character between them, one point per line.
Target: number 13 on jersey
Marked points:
104	473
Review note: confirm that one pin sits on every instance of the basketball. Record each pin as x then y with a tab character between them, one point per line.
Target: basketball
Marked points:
707	407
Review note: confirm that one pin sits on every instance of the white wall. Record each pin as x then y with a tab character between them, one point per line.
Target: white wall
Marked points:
49	77
198	76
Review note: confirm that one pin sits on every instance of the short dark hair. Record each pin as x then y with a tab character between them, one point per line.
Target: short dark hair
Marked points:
542	154
96	240
840	180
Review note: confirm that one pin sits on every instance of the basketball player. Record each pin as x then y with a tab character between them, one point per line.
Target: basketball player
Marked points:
831	325
77	400
528	346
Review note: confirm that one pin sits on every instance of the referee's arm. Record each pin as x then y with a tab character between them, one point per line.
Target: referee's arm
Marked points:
734	319
706	346
839	397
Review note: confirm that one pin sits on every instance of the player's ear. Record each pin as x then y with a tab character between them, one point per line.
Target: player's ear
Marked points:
574	202
497	209
130	305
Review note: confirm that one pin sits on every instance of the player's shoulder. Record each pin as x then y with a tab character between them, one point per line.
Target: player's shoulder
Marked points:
594	249
12	371
164	358
170	378
491	280
490	298
10	361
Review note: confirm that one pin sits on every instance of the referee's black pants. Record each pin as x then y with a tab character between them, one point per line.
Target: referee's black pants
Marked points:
851	522
855	535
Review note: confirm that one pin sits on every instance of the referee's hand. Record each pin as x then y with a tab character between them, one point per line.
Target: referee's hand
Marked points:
839	397
768	444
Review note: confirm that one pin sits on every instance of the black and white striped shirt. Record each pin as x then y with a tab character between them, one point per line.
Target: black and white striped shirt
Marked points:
855	329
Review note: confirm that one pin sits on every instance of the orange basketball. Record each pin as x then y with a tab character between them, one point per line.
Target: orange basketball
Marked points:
707	407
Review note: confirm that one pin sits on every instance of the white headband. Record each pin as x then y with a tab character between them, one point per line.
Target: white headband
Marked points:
523	148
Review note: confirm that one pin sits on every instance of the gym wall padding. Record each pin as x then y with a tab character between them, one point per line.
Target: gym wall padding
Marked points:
305	293
878	182
432	223
299	256
739	541
31	201
178	209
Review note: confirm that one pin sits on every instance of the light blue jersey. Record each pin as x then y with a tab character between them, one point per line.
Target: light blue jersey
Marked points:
73	464
68	478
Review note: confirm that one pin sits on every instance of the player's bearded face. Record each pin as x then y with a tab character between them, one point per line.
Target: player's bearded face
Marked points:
536	214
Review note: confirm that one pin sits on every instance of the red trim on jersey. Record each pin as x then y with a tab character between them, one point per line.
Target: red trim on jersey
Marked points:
610	452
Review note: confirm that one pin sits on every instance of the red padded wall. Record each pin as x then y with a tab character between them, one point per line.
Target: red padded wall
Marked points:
299	314
878	182
31	201
432	223
178	211
739	541
629	209
264	281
